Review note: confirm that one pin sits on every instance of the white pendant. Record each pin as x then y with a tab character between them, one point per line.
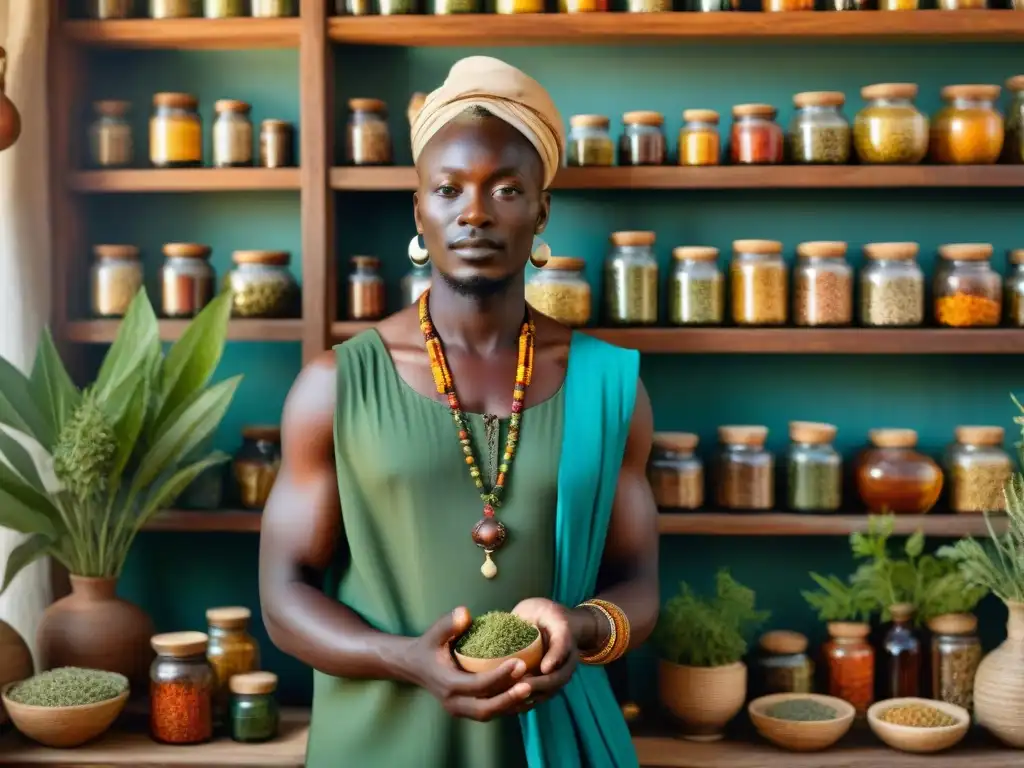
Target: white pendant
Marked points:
488	569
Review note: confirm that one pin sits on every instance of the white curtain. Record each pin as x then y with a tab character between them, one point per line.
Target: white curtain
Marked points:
24	253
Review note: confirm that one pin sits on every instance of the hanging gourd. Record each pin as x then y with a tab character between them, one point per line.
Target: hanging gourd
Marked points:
10	121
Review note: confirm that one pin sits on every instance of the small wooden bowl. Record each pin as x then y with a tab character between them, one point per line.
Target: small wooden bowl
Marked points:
801	735
531	655
64	727
910	738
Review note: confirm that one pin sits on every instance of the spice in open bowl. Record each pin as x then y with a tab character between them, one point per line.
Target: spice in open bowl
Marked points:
918	725
801	722
495	637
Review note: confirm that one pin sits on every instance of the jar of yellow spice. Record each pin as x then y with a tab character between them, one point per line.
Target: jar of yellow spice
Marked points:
175	131
978	469
256	464
968	292
890	130
231	651
561	291
759	282
969	129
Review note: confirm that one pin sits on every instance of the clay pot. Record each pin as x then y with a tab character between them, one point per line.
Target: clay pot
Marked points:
999	684
94	628
10	120
15	660
704	699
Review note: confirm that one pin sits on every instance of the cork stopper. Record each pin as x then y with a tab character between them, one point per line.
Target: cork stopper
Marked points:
783	642
754	110
893	438
589	121
107	251
971	92
683	442
757	246
180	644
265	432
695	253
365	262
234	617
753	435
891	250
169	100
643	117
632	238
889	91
953	624
111	107
966	251
232	105
268	258
973	435
813	432
848	630
819	99
822	249
700	116
901	611
251	683
566	264
1015	83
186	250
367	105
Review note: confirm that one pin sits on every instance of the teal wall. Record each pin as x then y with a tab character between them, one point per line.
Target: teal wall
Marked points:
176	576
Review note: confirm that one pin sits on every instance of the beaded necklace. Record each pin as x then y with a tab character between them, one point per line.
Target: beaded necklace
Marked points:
489	533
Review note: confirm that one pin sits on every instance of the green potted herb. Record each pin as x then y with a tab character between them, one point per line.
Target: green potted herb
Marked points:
702	679
84	469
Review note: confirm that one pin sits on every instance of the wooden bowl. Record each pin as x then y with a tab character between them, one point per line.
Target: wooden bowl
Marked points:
531	655
64	727
909	738
799	735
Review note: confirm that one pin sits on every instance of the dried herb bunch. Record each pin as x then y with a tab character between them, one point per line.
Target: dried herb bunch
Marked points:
82	470
708	632
68	687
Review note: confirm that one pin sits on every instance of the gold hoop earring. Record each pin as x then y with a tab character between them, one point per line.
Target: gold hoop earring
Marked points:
418	254
540	254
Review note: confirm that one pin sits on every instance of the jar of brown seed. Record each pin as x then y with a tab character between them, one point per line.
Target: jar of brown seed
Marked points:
675	472
744	469
978	468
365	289
891	286
631	280
759	282
956	654
643	139
822	285
367	138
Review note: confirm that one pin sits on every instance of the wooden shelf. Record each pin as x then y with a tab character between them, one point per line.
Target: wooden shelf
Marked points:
726	177
186	180
937	525
104	331
203	521
208	34
597	28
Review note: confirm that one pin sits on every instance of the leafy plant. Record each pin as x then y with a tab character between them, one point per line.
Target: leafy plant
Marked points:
83	470
710	632
837	600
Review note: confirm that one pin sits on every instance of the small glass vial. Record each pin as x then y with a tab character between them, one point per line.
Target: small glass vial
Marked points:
589	142
819	133
223	9
956	654
181	689
110	135
256	464
365	289
274	9
415	282
255	716
755	139
116	279
173	9
969	129
890	129
902	649
696	288
631	280
699	142
368	140
968	292
675	472
891	286
759	282
643	139
560	290
277	144
822	285
782	664
104	10
744	469
815	468
1013	127
978	469
232	134
262	285
231	651
175	131
187	279
1015	288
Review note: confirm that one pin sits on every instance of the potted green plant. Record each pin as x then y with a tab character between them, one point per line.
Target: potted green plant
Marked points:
702	679
84	469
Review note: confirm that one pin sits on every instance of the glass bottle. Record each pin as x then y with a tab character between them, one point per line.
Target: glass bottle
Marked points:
181	688
560	290
365	289
696	289
187	279
744	469
1015	288
968	292
902	649
978	468
415	282
890	130
589	142
1013	129
277	144
232	134
116	277
815	468
782	664
759	282
231	651
969	129
892	477
675	472
110	135
175	131
699	142
755	139
891	286
850	663
255	717
819	133
822	285
367	137
631	280
956	654
262	285
643	139
256	464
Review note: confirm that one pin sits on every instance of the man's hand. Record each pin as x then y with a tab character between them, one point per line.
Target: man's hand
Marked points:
559	629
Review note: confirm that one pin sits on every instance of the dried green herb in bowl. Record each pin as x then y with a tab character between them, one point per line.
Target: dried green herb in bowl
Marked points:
803	710
496	634
68	687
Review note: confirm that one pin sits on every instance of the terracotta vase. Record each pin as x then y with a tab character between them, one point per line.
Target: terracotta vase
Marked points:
94	628
10	120
15	660
999	684
703	699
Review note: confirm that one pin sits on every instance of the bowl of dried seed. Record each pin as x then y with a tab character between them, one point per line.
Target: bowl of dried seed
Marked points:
801	722
918	725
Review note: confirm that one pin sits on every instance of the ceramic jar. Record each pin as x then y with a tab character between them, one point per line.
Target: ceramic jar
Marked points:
999	684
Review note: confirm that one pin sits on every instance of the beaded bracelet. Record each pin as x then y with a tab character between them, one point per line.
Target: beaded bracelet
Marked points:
618	635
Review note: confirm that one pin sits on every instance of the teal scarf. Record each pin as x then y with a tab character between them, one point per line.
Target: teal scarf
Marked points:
582	726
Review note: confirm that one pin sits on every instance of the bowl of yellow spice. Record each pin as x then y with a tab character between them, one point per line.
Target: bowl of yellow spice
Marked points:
495	637
918	725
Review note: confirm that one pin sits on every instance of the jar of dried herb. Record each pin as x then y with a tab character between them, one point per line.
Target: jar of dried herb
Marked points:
902	655
978	468
891	285
1013	128
643	139
968	292
415	282
231	651
956	654
755	139
116	278
255	716
744	469
589	142
815	468
696	289
367	137
893	477
365	289
699	142
175	131
819	133
675	472
631	280
277	144
262	285
759	283
782	664
1014	284
850	664
256	464
560	290
181	689
822	285
232	134
110	135
969	129
890	130
186	280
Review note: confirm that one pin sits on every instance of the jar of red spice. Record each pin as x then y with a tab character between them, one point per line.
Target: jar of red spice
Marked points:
756	139
187	280
850	664
181	689
968	292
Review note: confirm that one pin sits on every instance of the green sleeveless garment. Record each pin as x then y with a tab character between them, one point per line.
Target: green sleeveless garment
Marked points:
408	505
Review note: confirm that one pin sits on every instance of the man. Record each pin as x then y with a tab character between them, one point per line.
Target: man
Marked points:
467	455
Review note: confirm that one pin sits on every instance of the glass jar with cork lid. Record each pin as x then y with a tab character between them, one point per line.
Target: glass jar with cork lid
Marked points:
696	289
175	131
262	284
956	654
187	279
1013	126
589	142
560	290
110	135
256	464
365	289
890	129
675	472
850	664
782	664
819	133
1014	288
116	277
699	142
231	651
181	689
815	468
255	717
367	136
755	138
822	285
893	477
643	139
759	283
232	134
968	292
891	286
631	280
978	468
744	469
968	130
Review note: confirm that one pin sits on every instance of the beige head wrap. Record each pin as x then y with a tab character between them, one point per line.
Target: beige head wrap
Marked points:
504	91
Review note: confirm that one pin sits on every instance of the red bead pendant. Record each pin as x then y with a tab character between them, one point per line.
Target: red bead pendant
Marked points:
488	510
